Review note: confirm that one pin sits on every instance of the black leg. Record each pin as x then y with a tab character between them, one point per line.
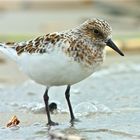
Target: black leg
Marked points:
46	100
67	95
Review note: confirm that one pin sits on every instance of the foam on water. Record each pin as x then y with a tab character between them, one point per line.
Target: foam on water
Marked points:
86	108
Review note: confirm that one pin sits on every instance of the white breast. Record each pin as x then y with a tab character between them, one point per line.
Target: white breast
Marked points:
54	69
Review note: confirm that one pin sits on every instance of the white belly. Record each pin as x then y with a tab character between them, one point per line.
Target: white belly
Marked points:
54	69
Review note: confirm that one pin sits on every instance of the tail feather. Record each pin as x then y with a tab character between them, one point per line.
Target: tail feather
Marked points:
9	51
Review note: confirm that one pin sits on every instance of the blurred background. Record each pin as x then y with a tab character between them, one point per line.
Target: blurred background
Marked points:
32	17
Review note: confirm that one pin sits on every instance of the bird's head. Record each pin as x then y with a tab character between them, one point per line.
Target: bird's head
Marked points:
100	33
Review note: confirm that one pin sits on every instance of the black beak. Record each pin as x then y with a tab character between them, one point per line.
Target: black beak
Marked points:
111	44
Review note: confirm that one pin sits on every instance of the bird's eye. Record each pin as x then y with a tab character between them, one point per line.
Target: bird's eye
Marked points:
96	31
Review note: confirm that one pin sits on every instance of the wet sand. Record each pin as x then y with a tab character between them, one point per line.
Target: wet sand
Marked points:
107	103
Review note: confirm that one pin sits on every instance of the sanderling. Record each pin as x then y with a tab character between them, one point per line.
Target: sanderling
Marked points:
63	58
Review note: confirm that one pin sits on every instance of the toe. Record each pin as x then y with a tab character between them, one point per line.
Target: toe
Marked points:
51	123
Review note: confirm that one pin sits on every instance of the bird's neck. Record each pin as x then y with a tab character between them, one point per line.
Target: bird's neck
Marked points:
77	31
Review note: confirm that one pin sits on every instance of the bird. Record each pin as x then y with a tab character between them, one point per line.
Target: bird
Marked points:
63	58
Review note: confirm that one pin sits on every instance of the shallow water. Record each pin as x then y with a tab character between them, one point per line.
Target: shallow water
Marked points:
107	104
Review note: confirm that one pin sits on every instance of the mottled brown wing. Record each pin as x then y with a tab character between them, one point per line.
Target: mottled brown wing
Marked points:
37	45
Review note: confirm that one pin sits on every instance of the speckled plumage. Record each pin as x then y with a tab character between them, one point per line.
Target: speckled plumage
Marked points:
79	45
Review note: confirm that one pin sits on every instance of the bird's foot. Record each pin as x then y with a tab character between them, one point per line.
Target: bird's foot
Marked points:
74	120
51	123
